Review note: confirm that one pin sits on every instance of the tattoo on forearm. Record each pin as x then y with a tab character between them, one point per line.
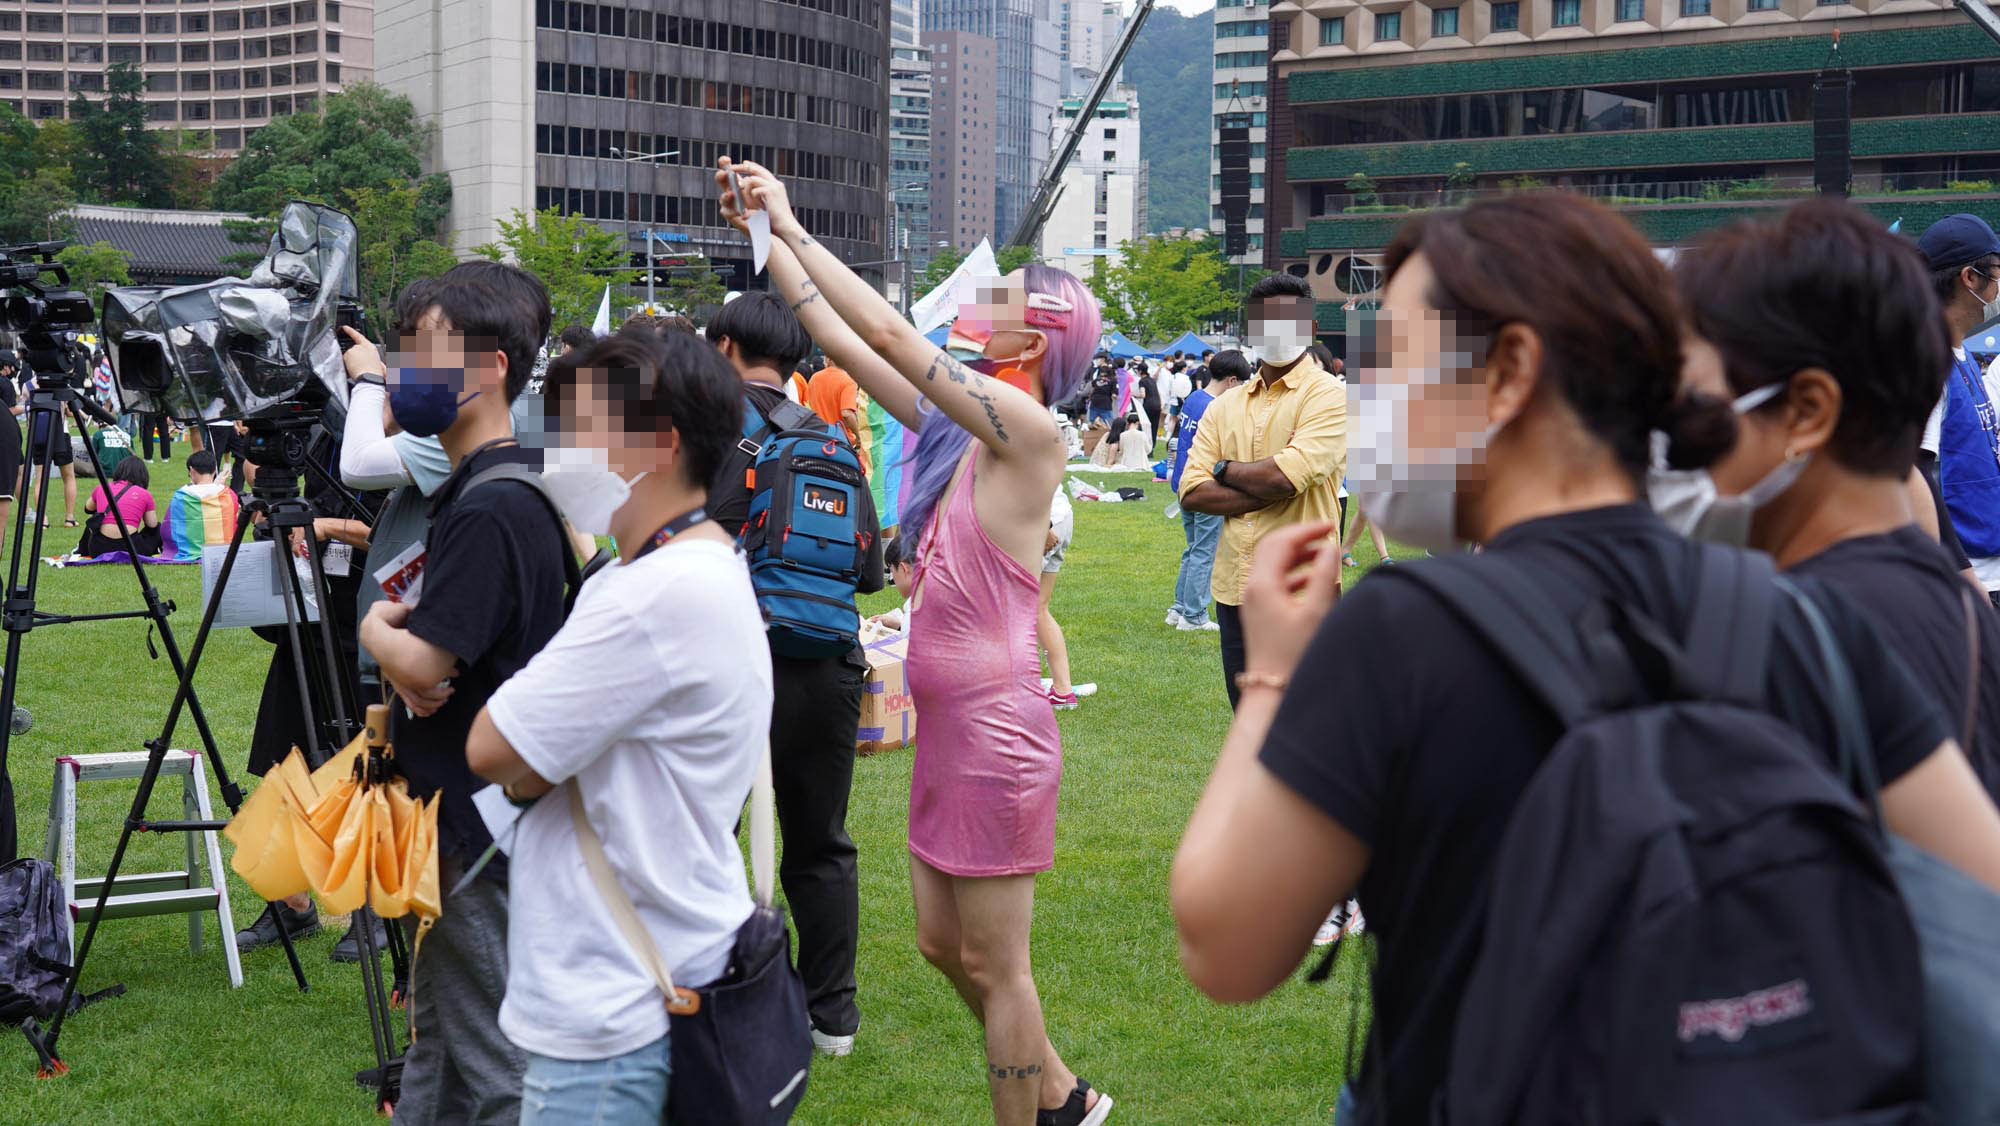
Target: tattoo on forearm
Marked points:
808	293
806	240
1002	1071
992	415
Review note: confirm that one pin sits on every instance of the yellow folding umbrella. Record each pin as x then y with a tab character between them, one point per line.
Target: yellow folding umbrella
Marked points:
349	831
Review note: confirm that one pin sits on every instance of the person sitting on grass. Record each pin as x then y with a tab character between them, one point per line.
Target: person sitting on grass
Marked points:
131	496
901	557
202	512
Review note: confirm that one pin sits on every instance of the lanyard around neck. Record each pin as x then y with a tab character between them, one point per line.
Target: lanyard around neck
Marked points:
670	529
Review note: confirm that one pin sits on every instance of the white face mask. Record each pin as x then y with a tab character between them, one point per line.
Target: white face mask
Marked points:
1412	502
1686	498
1987	309
1278	343
587	491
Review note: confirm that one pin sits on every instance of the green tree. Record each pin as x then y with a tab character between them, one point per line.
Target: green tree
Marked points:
942	264
694	289
35	186
362	137
119	160
1011	258
95	267
395	225
571	255
1161	287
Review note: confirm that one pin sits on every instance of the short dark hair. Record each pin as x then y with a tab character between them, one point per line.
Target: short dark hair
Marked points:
1207	352
764	328
577	336
201	461
1588	285
1945	284
1780	296
490	300
656	322
1278	285
1229	365
896	551
660	381
132	470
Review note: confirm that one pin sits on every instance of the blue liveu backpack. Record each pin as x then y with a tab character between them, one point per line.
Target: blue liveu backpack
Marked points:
810	531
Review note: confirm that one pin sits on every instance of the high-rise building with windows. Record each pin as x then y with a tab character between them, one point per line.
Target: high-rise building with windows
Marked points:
1242	70
220	66
1103	205
1682	114
1090	29
963	130
904	24
619	112
1026	45
910	157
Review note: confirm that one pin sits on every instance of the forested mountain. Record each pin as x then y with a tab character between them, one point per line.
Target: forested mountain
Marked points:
1172	65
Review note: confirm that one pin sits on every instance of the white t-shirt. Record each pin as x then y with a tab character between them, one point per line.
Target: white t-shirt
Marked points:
656	696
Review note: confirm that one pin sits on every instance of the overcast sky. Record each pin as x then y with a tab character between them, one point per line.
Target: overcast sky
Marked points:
1189	7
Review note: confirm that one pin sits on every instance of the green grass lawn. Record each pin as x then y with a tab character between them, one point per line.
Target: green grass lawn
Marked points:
181	1046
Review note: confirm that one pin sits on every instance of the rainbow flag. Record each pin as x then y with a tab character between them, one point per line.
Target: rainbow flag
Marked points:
198	515
886	477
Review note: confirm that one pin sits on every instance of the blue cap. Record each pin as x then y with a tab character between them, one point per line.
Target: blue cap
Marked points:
1956	240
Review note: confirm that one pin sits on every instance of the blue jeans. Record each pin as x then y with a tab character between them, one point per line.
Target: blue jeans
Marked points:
1203	529
1098	414
627	1090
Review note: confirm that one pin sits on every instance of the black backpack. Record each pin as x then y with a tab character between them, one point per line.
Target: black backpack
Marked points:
34	941
1690	919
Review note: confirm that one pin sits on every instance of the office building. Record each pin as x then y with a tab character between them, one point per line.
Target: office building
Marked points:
1683	114
905	26
910	157
1103	202
1026	54
620	112
225	68
1242	73
963	157
1090	29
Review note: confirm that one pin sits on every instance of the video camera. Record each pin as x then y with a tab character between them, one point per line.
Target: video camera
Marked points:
262	348
45	317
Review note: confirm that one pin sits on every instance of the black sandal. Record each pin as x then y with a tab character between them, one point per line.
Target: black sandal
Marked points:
1077	1109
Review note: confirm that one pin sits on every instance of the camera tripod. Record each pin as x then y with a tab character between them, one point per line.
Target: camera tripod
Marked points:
46	406
279	452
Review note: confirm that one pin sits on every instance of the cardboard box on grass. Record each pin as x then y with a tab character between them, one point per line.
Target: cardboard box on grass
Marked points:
888	716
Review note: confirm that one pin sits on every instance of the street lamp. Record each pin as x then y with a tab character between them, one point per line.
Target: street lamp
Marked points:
621	154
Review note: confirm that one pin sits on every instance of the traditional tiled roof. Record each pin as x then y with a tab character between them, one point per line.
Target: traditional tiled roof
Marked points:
164	245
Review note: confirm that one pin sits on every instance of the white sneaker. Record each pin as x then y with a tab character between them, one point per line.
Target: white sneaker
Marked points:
1332	928
1355	923
1189	627
1174	618
832	1045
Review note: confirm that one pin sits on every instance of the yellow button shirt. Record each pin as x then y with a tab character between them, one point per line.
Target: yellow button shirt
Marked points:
1300	420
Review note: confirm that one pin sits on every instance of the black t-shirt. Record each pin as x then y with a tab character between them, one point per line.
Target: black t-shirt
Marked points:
729	494
1905	584
1103	388
1404	727
492	597
1151	392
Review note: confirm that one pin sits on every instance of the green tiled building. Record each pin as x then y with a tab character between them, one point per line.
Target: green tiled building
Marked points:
1683	114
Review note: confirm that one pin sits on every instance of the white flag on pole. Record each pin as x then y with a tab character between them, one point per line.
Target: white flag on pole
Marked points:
602	325
941	304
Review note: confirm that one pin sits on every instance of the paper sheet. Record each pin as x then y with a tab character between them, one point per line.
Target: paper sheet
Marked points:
256	593
759	223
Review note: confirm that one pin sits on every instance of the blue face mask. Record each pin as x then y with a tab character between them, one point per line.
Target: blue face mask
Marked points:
425	401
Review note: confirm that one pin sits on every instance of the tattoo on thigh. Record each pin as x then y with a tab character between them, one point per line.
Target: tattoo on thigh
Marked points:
1002	1071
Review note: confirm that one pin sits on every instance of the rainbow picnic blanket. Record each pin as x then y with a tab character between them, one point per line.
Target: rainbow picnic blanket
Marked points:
199	515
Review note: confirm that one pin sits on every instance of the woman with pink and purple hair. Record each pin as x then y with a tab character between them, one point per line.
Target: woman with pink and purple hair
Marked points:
988	455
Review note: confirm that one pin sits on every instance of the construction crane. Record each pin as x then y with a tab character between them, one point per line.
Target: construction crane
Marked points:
1049	188
1983	16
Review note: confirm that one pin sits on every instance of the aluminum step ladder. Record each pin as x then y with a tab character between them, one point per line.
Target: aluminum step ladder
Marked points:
194	890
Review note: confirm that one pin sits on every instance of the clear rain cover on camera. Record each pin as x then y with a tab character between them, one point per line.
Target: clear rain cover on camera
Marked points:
243	348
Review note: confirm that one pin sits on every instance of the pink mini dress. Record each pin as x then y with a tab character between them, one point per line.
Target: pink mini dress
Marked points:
988	761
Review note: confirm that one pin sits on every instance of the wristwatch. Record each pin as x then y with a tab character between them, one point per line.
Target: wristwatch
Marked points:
1217	472
378	378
